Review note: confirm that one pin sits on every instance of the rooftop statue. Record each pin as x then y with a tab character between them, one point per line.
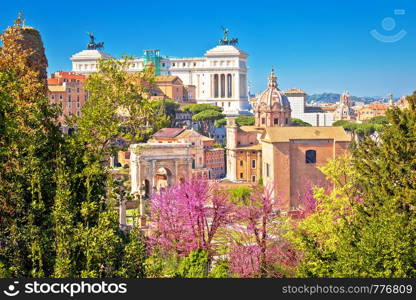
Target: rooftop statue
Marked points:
225	40
20	22
92	45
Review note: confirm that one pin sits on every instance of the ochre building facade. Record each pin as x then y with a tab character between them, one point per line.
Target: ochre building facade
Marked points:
286	157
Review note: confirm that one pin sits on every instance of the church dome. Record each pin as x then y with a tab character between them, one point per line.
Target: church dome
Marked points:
272	107
272	95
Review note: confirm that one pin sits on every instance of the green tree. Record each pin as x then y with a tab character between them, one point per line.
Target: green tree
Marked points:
118	107
29	142
195	265
166	109
197	108
57	198
299	122
245	120
220	123
365	226
206	120
378	120
240	195
133	262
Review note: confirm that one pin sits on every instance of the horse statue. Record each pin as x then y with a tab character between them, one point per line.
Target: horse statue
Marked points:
225	40
234	41
92	45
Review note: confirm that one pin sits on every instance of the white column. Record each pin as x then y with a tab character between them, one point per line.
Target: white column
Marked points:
237	86
226	85
219	85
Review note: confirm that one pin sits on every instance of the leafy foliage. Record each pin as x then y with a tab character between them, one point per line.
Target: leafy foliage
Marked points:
166	110
197	108
365	226
220	123
57	197
118	107
299	122
240	195
361	130
245	120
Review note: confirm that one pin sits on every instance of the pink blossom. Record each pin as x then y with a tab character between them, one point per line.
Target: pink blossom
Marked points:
260	251
187	216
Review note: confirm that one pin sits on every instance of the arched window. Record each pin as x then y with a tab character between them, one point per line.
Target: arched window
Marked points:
310	156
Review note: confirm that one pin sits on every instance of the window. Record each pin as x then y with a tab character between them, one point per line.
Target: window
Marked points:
60	96
173	64
276	121
241	176
310	156
229	104
263	121
69	97
163	64
267	170
253	178
77	90
241	163
253	163
194	64
69	90
287	121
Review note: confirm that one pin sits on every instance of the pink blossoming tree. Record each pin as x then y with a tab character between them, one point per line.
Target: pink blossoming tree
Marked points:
186	217
258	248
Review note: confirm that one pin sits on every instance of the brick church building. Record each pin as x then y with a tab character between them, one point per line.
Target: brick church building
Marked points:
285	156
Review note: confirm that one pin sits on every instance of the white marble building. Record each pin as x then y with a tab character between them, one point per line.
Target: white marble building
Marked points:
219	77
310	114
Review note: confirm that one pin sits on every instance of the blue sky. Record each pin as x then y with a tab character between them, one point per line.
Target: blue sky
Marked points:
319	46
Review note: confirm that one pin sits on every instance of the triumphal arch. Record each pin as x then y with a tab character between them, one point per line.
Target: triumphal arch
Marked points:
159	165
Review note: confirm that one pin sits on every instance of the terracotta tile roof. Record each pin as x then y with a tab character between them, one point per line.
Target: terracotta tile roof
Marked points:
249	147
186	133
168	132
166	78
378	106
53	81
285	134
252	128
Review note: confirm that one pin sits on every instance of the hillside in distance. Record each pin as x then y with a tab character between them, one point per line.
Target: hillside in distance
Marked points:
334	98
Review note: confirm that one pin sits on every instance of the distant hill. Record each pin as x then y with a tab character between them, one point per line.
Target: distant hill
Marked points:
334	98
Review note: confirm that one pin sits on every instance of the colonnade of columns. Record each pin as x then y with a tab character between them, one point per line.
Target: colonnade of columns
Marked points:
222	85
